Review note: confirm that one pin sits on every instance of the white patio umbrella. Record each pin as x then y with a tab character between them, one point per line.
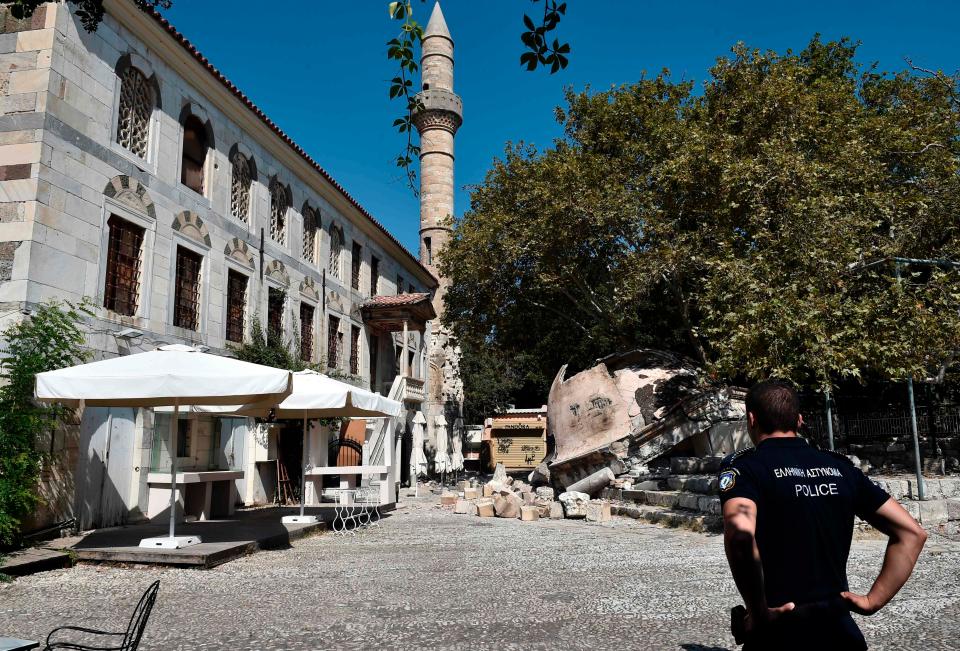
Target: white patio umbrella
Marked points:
456	454
441	460
174	376
418	460
316	395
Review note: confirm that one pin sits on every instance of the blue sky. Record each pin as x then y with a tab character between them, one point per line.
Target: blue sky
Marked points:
319	70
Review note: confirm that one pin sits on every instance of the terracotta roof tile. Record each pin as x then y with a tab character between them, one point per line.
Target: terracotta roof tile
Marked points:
191	48
397	299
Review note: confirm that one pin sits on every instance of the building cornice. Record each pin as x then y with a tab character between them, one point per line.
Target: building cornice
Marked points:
184	58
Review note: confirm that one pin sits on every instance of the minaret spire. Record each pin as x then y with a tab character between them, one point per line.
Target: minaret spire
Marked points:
437	123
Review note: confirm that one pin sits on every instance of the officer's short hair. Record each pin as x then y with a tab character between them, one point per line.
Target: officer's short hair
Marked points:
775	405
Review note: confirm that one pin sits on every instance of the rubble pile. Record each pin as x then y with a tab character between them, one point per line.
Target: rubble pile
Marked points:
506	497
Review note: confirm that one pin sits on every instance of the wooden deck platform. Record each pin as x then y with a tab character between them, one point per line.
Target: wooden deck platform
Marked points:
223	540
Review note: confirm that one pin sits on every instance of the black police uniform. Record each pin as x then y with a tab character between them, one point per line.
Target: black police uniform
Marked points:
806	500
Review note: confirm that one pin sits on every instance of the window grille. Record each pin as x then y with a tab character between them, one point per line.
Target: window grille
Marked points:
309	235
354	350
122	286
336	249
275	300
186	297
133	116
236	305
194	154
306	332
240	187
428	250
356	260
334	341
399	284
278	213
374	276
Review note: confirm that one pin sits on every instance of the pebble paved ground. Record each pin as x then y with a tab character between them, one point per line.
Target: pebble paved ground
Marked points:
429	579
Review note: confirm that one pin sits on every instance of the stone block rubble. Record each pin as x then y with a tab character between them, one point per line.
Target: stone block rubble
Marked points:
506	497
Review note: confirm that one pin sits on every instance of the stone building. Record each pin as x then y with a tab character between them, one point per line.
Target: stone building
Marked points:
132	172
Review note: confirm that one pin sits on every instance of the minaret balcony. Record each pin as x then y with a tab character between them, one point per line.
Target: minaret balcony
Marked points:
438	108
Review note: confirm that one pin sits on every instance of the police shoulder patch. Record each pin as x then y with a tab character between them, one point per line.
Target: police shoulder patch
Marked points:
727	479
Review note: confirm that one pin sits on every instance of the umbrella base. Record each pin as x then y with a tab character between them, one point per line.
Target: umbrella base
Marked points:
299	519
168	542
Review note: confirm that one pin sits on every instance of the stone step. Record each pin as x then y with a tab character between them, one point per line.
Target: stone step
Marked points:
683	500
695	465
670	517
702	484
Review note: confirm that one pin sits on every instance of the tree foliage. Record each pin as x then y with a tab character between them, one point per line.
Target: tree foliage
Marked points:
49	339
731	225
90	12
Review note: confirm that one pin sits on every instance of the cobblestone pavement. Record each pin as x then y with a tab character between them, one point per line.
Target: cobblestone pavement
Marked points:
432	579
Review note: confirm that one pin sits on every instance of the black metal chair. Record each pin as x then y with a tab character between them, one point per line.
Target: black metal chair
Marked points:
126	641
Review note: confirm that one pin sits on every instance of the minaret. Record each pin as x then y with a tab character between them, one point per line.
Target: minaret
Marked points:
437	122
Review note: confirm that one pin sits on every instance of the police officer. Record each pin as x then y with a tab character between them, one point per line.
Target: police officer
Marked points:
788	512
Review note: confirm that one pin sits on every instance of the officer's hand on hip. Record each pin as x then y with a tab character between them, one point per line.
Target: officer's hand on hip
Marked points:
754	623
860	603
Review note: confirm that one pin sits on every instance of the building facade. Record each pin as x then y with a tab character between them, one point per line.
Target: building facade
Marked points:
135	175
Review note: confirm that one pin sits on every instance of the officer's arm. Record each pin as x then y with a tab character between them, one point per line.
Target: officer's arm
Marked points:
906	540
739	527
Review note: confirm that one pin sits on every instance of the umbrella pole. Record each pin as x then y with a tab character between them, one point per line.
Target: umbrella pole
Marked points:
173	466
303	470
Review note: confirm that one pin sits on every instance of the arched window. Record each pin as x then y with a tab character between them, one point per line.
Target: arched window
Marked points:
310	225
336	251
194	153
278	212
136	107
240	187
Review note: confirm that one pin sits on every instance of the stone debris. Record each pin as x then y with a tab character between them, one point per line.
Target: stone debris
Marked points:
593	484
465	507
556	511
471	493
448	499
574	504
508	506
545	493
598	511
529	499
529	513
500	473
540	474
485	507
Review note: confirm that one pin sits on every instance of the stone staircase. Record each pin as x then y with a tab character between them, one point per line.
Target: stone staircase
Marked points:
685	494
681	494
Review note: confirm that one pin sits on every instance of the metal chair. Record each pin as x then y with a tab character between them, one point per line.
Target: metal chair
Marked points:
129	640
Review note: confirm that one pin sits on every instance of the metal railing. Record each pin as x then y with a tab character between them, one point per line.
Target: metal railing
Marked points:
862	426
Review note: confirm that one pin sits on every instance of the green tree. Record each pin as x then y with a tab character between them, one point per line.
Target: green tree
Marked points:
49	339
268	348
725	224
90	12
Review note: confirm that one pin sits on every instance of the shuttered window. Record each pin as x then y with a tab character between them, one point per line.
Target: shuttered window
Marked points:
354	350
122	287
334	341
194	154
355	261
275	300
306	331
186	297
236	305
374	276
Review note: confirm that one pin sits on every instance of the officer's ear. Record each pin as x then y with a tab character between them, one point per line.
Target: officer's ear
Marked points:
799	421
